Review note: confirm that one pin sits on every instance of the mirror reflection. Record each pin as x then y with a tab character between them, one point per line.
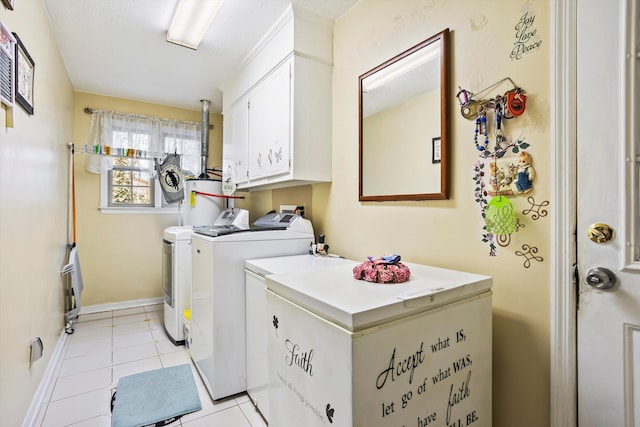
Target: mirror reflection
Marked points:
403	138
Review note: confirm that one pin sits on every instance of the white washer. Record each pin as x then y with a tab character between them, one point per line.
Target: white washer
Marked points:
258	321
218	338
176	270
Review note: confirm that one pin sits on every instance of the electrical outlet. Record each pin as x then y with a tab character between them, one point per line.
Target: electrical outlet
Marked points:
287	208
296	209
36	349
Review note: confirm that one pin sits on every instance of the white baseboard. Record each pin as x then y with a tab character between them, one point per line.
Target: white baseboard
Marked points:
36	411
120	305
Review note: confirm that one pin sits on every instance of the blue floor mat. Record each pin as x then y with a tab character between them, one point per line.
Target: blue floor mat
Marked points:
154	397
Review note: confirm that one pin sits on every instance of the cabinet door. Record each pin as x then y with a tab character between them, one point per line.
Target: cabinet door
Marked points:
270	124
236	140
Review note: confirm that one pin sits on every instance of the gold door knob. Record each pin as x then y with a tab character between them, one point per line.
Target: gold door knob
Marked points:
600	233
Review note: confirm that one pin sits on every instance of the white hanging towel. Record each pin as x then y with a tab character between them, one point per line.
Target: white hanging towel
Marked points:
73	270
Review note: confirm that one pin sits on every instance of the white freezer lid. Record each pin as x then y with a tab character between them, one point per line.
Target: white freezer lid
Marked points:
333	293
286	264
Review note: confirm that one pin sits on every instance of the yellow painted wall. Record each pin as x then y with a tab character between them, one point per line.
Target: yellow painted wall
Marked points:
448	233
34	170
121	254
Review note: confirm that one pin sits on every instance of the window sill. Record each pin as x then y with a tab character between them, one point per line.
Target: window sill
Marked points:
140	211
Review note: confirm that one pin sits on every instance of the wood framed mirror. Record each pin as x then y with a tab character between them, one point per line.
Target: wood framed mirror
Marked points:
404	141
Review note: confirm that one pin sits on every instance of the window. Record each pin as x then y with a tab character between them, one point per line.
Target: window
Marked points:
127	173
130	185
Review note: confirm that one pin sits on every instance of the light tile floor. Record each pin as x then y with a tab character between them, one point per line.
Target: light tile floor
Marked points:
107	346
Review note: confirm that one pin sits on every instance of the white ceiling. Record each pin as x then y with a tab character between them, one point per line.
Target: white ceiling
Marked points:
118	47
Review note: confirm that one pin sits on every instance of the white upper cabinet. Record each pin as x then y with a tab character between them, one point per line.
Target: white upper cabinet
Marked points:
277	108
270	125
235	141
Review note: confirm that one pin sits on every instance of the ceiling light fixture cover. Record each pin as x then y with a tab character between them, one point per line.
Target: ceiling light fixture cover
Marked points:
191	22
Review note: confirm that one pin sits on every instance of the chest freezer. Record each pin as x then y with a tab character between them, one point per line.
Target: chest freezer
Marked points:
345	352
256	271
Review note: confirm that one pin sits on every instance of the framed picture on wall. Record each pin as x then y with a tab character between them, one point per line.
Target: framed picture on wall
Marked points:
435	150
7	52
25	68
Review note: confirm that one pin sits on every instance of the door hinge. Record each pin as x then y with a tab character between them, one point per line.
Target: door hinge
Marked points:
576	284
576	272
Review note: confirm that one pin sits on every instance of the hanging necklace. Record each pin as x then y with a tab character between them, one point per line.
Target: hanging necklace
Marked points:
499	117
481	127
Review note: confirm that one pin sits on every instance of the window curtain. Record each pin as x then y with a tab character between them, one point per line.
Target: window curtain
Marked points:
140	136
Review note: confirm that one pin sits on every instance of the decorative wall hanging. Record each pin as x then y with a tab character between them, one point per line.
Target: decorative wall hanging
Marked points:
498	179
500	217
504	240
481	198
504	168
511	105
25	68
511	175
7	60
171	179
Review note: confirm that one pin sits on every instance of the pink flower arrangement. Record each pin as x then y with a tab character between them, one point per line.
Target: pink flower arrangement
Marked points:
381	271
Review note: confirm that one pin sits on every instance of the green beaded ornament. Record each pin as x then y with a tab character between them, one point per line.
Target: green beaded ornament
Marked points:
500	218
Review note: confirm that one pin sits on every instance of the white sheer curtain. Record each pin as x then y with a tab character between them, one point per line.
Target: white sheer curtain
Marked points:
140	136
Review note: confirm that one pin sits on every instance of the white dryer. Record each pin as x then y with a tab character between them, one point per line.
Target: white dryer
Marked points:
218	338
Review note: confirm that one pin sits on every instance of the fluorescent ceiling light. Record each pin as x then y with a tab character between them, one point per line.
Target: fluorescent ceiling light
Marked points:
400	67
191	21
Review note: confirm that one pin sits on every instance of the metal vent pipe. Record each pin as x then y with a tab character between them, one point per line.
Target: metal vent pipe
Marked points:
204	139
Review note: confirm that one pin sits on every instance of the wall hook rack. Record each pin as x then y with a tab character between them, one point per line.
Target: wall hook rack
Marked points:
512	103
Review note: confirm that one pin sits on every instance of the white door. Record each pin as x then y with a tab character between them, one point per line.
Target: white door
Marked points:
607	121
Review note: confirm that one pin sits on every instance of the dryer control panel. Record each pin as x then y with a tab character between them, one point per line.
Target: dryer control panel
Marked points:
276	220
233	216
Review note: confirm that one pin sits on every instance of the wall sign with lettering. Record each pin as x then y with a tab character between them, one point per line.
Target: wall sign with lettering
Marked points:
432	369
526	36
